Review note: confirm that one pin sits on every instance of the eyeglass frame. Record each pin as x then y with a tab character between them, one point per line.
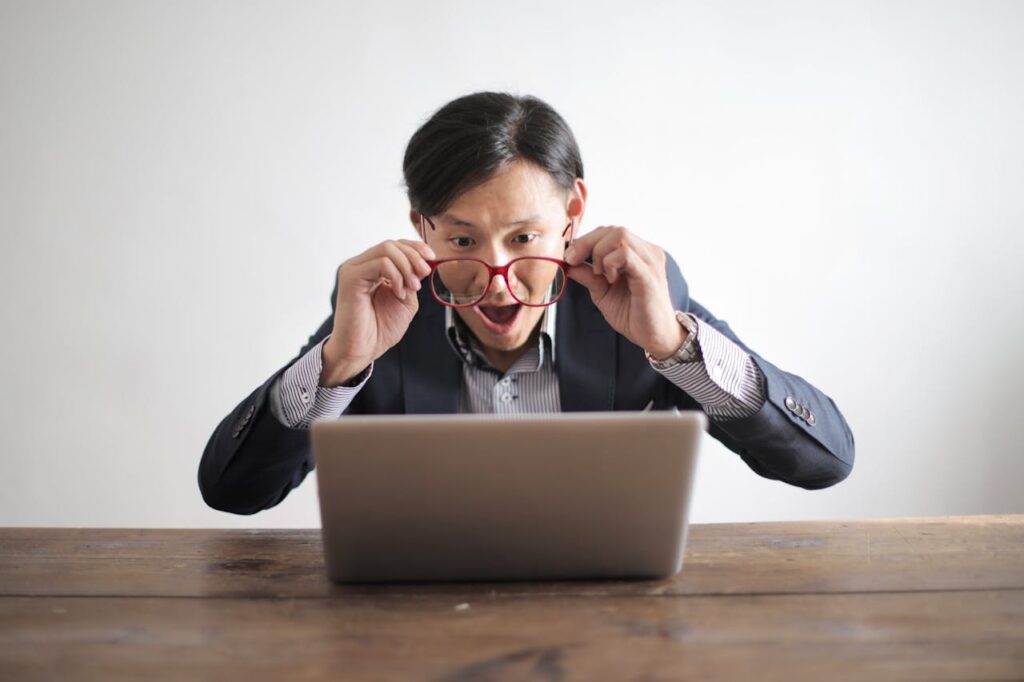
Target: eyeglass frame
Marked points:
493	270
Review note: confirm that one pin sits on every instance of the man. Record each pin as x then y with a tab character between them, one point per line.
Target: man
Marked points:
499	307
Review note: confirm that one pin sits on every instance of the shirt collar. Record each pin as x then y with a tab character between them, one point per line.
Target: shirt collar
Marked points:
466	347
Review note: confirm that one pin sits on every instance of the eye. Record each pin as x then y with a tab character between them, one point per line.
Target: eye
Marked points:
525	238
461	242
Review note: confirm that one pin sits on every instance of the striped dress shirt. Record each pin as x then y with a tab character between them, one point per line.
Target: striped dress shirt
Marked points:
724	379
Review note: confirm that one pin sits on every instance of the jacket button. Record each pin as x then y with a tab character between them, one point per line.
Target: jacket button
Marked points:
241	423
790	403
811	419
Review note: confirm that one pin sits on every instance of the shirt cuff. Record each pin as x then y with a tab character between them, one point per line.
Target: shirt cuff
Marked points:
297	398
726	382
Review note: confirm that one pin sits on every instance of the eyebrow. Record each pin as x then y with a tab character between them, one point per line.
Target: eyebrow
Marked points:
448	218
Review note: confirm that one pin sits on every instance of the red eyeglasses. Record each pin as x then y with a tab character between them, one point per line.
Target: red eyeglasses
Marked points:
532	280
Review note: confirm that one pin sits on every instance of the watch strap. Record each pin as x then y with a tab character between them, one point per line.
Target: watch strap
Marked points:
689	351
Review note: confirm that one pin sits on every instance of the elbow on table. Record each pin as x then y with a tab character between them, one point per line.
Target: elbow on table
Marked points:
223	490
803	463
246	491
815	466
827	476
223	498
828	468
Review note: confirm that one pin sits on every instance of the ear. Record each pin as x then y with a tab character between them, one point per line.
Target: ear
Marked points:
576	201
419	223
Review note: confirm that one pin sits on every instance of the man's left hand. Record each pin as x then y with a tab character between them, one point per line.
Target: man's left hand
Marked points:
627	283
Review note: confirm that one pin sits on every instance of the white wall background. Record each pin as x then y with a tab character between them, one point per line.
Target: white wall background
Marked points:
178	181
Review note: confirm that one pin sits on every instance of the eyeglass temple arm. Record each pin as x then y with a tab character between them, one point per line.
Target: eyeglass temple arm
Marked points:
423	230
568	228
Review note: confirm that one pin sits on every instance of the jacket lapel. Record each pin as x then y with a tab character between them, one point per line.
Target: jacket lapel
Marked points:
585	355
431	372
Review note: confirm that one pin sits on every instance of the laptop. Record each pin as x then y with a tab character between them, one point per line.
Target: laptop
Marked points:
482	497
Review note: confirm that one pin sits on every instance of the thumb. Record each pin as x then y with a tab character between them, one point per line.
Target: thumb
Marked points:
597	284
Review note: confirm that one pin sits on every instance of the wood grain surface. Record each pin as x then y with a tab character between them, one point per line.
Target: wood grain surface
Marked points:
908	599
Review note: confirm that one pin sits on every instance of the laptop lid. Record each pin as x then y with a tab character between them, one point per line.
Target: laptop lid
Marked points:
483	497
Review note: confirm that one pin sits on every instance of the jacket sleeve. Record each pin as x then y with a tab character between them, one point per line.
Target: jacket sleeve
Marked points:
798	436
297	398
252	460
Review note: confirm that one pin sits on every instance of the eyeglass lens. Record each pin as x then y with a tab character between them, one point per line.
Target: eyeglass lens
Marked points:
532	281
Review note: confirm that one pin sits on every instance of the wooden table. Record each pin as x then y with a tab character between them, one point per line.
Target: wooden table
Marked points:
908	599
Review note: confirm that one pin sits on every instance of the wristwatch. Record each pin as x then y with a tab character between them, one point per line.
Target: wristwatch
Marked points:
357	379
688	352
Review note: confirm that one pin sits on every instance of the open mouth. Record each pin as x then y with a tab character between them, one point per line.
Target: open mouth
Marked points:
499	318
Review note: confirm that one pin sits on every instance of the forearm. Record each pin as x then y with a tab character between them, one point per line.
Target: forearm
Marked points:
254	457
809	445
723	377
799	436
297	397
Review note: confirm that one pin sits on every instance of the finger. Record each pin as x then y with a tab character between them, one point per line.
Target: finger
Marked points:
370	254
412	303
596	284
402	261
614	262
645	251
581	249
424	249
381	270
377	250
419	263
392	274
611	241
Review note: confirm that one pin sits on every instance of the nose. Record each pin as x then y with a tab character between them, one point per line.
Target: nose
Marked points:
499	293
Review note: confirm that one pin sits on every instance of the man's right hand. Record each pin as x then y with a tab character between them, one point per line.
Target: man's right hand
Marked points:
376	302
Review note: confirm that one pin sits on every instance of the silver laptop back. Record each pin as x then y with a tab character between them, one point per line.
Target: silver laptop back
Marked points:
479	497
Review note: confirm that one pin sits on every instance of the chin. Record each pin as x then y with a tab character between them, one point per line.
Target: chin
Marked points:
509	341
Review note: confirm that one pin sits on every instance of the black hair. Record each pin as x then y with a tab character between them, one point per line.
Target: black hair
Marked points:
470	138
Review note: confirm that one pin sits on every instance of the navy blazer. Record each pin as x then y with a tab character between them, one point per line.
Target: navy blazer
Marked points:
252	461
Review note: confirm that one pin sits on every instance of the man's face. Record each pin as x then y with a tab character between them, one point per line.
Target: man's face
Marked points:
520	211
